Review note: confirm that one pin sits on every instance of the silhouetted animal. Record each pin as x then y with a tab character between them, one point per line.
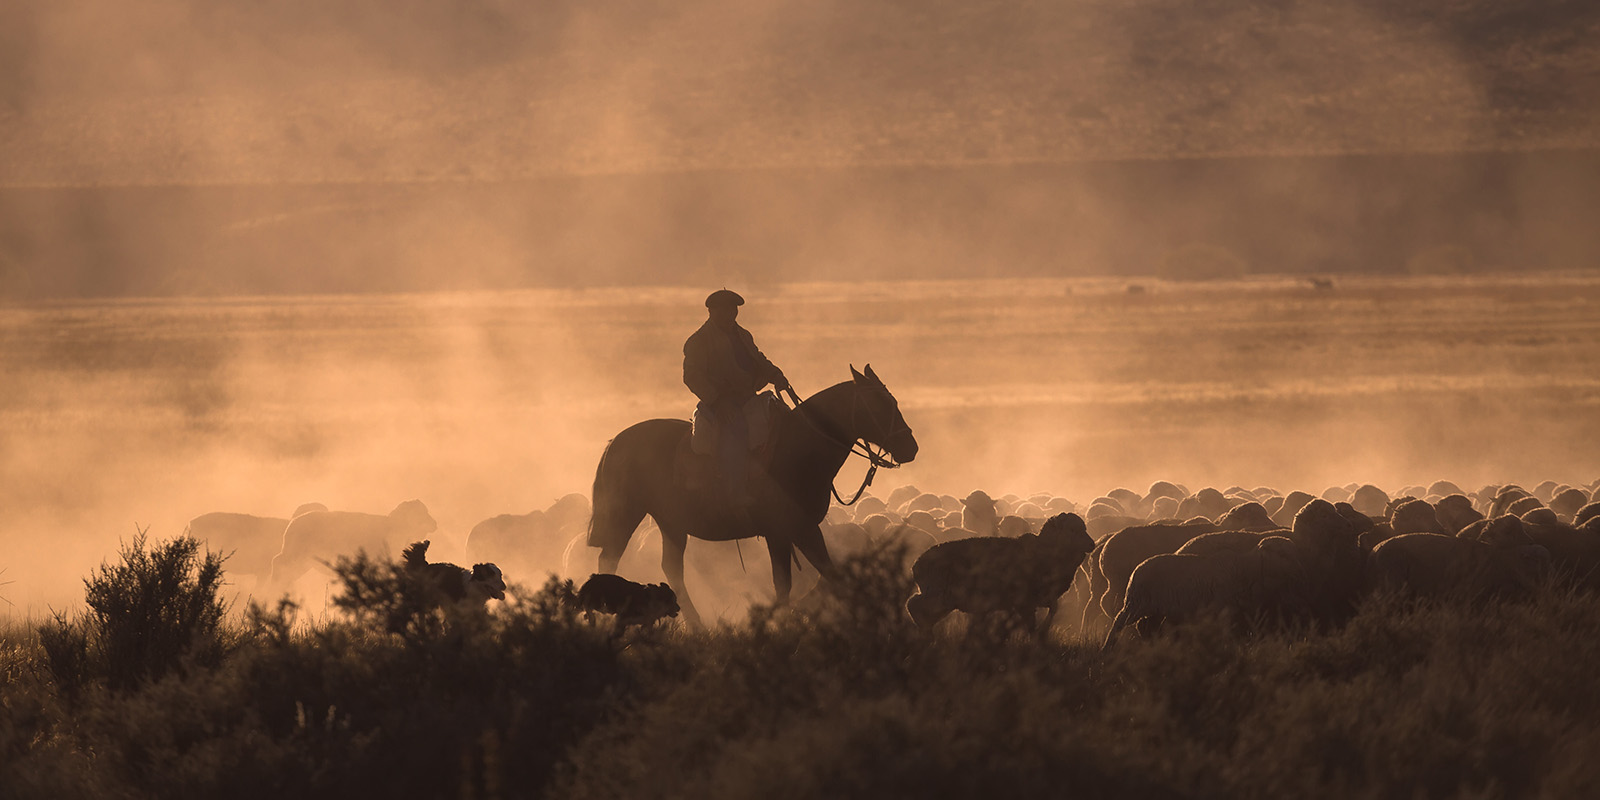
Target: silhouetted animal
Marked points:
251	540
325	534
978	514
996	575
1503	560
632	603
1122	552
1267	577
476	585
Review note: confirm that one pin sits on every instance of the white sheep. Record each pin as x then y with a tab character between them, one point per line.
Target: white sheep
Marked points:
325	534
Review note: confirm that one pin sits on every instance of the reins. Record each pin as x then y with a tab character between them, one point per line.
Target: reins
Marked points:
874	459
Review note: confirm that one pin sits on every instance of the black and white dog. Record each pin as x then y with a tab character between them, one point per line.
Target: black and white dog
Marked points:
476	585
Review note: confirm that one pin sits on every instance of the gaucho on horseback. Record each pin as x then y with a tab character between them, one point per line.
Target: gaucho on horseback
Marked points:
725	370
648	468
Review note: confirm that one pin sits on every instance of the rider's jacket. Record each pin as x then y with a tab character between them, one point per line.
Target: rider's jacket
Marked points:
725	366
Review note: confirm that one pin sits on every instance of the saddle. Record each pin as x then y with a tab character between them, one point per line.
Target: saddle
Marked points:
696	473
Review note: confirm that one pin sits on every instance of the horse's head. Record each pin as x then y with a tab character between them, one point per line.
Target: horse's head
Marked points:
880	421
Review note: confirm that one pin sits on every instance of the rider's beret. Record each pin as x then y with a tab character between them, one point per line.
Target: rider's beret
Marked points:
724	297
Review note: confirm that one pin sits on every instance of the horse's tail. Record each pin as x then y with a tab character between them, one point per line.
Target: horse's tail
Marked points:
614	514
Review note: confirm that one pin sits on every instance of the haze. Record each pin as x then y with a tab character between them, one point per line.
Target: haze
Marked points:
255	255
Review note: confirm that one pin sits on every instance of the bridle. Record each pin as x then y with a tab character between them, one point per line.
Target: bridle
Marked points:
876	456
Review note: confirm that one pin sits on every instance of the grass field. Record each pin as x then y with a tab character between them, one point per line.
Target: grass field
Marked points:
148	413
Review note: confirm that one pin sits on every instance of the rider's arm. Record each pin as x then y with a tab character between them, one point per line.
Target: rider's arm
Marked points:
766	371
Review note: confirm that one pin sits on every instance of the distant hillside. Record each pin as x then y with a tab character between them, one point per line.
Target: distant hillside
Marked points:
96	92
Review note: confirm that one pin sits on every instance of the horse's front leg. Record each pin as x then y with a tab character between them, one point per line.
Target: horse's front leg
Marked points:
780	550
809	539
672	547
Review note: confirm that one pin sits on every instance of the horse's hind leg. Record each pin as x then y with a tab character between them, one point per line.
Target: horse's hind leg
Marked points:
611	534
672	547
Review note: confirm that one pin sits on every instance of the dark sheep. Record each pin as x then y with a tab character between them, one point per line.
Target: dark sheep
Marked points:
1567	503
1444	488
1370	500
1522	506
1292	503
1431	565
1251	516
1122	552
1454	513
1416	516
1588	512
1268	577
987	576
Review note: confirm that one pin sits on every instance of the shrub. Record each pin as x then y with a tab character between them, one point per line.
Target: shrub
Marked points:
146	616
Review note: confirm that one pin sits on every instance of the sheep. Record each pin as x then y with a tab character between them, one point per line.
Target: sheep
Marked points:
1522	506
923	521
1540	516
1132	503
1208	503
1105	507
1415	516
1505	498
1505	561
632	603
1444	489
1249	516
989	575
899	497
530	541
1161	489
876	525
867	506
1292	503
1370	500
1588	512
979	513
252	540
915	540
1545	491
1328	547
322	534
475	586
1453	513
1125	550
846	539
1266	578
1164	508
1574	552
923	502
1011	526
1060	505
1567	503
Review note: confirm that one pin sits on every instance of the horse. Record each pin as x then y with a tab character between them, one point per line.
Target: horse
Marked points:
636	476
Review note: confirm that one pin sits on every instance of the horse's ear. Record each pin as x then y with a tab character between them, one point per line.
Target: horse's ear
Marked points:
856	375
873	375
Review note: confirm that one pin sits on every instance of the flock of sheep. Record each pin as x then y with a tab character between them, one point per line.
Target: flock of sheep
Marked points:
1124	560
